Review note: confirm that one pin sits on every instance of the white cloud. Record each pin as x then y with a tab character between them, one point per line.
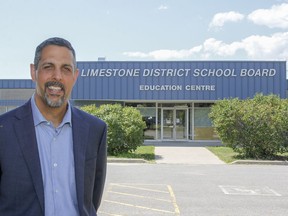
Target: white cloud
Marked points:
220	19
162	7
136	54
214	47
166	54
273	47
275	17
264	47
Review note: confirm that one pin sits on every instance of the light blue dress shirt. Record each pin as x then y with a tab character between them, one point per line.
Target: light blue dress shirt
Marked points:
55	146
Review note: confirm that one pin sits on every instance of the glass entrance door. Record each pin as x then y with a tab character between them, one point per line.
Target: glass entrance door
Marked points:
167	125
174	124
181	124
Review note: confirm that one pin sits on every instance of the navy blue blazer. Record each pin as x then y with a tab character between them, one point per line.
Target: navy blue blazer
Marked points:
21	185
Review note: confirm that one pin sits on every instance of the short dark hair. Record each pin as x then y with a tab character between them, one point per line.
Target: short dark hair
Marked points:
53	41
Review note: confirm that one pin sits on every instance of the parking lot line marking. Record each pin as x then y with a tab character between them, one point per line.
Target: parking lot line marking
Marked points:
177	211
141	207
273	191
134	195
105	213
140	188
250	191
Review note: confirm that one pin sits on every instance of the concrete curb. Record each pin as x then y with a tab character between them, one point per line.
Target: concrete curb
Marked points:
260	162
125	160
238	162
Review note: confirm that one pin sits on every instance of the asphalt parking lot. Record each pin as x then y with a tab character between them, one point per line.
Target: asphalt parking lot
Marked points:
141	199
200	190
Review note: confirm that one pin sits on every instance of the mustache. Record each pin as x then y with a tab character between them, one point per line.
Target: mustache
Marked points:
54	83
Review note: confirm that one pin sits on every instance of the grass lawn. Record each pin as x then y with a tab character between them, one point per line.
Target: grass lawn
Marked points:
227	154
144	152
224	153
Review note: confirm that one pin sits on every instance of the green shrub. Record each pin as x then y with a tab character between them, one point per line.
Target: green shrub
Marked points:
125	126
133	127
255	128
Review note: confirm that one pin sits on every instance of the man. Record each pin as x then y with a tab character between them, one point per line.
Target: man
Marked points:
52	155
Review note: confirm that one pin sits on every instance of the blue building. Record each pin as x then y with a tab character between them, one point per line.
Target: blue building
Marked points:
174	97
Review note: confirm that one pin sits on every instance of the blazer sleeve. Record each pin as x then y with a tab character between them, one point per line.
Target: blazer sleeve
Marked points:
101	167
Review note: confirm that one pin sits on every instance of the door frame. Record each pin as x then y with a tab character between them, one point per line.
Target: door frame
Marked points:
175	109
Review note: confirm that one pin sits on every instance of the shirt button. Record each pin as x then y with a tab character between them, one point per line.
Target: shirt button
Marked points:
55	164
56	191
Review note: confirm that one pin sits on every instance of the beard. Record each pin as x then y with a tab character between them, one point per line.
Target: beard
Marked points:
45	95
54	104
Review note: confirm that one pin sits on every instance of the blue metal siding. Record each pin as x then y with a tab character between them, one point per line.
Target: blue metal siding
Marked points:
12	102
128	87
16	84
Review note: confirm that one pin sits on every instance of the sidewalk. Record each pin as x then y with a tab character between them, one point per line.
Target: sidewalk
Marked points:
185	155
185	152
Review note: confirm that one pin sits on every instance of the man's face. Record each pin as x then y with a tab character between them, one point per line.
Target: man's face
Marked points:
55	75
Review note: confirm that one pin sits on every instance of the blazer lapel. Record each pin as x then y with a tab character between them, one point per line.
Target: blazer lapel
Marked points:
25	131
80	140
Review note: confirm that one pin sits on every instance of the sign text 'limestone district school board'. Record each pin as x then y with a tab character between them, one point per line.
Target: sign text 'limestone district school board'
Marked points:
177	80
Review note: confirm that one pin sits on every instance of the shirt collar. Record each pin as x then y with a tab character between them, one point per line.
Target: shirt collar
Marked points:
39	118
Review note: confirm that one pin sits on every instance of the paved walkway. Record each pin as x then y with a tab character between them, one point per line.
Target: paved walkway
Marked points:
185	153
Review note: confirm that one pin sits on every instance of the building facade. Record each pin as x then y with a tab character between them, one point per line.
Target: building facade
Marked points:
174	97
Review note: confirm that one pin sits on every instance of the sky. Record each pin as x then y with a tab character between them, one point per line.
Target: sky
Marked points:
143	30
